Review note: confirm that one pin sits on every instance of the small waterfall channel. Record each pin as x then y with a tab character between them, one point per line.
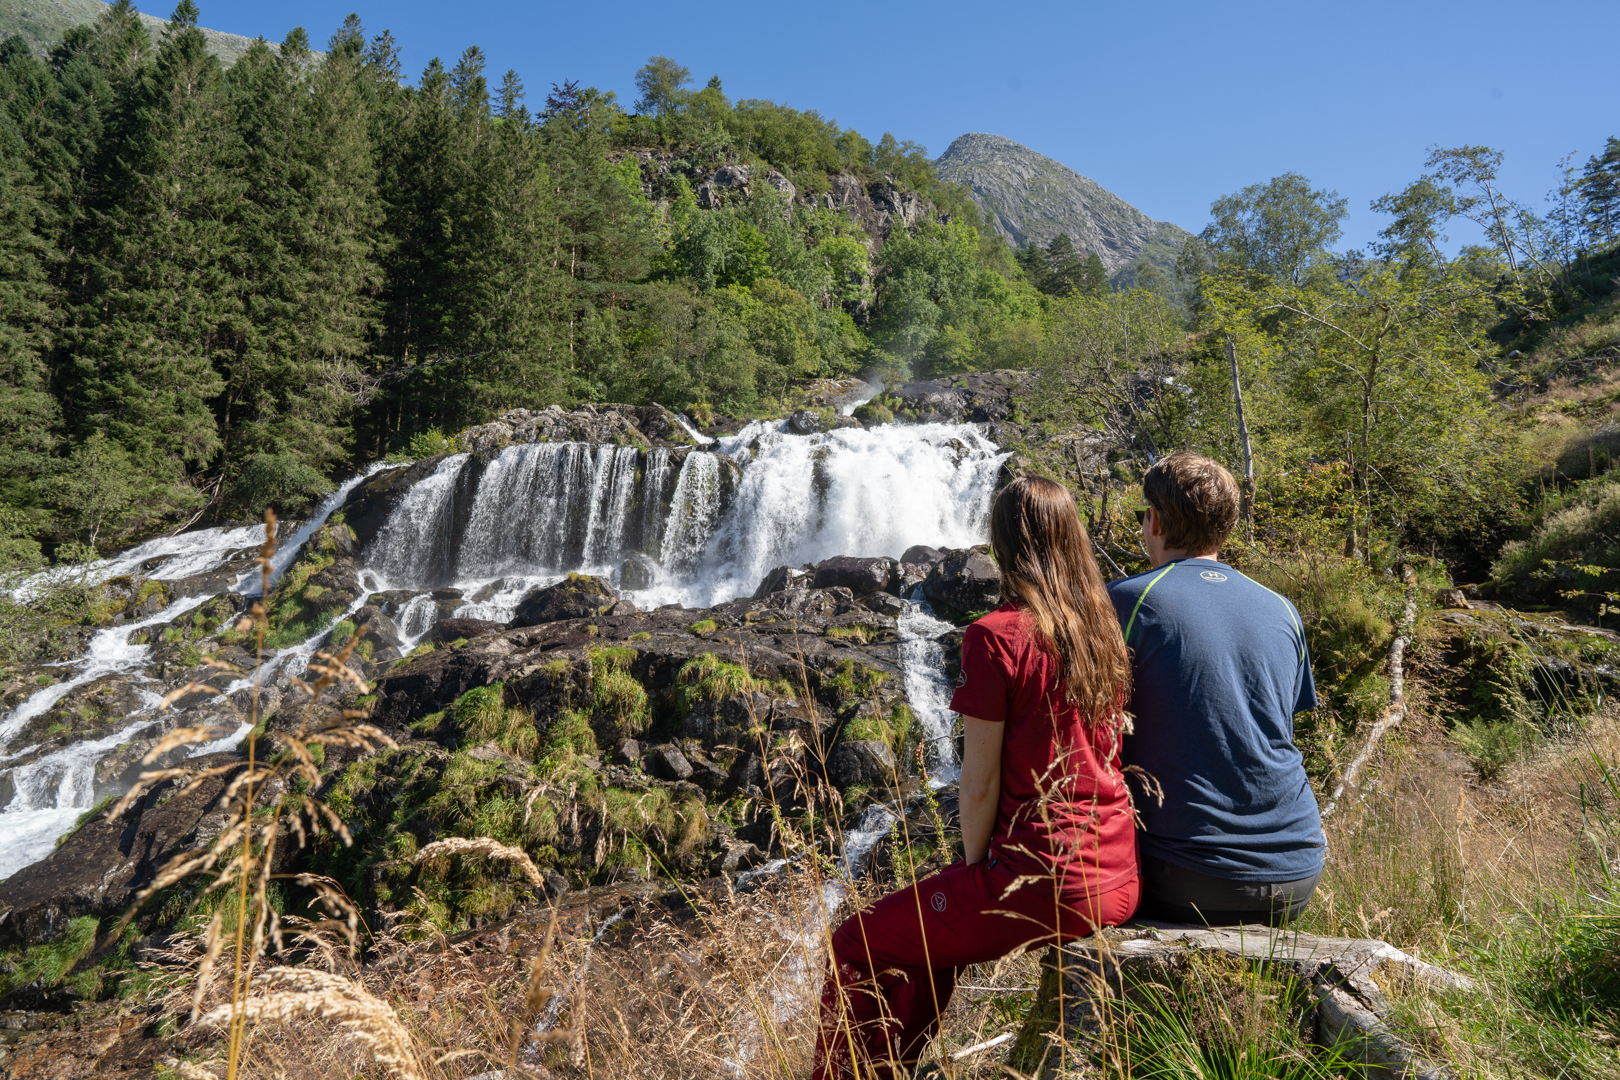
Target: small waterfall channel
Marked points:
51	792
702	525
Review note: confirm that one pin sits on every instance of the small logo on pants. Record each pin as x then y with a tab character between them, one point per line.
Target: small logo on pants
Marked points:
938	901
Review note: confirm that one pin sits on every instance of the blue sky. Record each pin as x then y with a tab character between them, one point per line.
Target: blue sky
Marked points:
1167	104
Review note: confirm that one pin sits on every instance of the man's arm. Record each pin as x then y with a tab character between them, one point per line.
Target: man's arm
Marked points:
979	792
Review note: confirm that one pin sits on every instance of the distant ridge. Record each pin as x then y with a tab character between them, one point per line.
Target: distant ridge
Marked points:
1031	198
43	22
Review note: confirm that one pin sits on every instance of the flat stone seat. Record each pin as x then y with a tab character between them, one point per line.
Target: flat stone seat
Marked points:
1091	975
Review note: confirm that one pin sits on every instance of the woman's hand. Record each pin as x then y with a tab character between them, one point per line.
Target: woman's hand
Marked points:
979	792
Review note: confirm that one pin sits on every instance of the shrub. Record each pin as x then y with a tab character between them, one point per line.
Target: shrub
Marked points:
431	442
281	480
484	716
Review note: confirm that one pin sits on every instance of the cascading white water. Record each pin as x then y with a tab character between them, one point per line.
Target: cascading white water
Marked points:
414	545
651	511
804	498
51	792
927	689
693	513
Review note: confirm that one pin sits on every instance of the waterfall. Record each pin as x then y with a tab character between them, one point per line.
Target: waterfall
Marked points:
651	510
413	548
51	792
806	498
537	511
922	660
693	512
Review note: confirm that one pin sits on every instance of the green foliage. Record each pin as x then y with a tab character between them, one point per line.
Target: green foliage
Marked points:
284	481
1280	230
1573	556
483	715
709	678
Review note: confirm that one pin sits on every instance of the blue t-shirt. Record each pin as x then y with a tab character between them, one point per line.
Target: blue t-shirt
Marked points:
1219	669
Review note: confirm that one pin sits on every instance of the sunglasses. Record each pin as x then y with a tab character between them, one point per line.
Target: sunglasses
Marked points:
1141	516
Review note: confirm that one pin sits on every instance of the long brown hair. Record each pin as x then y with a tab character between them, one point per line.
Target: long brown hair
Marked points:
1048	568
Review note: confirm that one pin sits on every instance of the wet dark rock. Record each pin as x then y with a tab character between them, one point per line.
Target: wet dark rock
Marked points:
454	629
622	607
98	869
907	576
863	761
860	576
94	708
884	604
578	596
962	583
630	750
782	577
922	553
805	422
638	572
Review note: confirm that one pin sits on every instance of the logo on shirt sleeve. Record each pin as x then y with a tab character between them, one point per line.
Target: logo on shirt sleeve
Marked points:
1213	575
961	678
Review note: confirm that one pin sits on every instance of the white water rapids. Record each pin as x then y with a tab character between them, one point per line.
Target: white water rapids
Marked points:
706	525
51	792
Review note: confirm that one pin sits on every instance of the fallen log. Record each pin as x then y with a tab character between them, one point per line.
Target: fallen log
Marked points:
1084	984
1396	711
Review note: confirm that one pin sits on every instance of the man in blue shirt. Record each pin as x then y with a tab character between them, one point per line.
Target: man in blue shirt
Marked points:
1219	669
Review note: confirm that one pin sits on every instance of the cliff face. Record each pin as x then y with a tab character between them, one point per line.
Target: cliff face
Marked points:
1031	198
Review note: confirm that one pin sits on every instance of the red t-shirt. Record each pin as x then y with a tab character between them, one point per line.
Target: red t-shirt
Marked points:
1064	806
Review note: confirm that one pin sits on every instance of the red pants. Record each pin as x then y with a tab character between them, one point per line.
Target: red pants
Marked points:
895	965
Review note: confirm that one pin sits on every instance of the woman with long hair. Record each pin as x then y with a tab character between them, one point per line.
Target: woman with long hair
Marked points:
1048	838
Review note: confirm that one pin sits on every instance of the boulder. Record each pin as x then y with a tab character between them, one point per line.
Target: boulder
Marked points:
1451	598
805	422
907	576
638	572
961	583
579	596
455	629
922	553
783	577
730	176
668	763
782	184
862	761
859	576
884	604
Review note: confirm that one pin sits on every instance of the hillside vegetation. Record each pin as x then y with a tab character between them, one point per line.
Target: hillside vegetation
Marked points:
43	23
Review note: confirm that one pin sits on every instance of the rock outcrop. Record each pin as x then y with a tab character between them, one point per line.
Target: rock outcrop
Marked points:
963	585
578	596
99	868
1029	198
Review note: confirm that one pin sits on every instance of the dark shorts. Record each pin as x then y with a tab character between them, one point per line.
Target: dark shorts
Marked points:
1172	893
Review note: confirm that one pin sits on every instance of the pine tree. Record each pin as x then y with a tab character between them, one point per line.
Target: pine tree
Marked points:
603	240
160	308
29	416
308	275
1600	193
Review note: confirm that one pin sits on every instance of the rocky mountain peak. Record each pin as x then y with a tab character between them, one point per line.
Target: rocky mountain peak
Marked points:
1031	198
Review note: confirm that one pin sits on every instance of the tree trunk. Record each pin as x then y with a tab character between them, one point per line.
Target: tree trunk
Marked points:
1247	511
